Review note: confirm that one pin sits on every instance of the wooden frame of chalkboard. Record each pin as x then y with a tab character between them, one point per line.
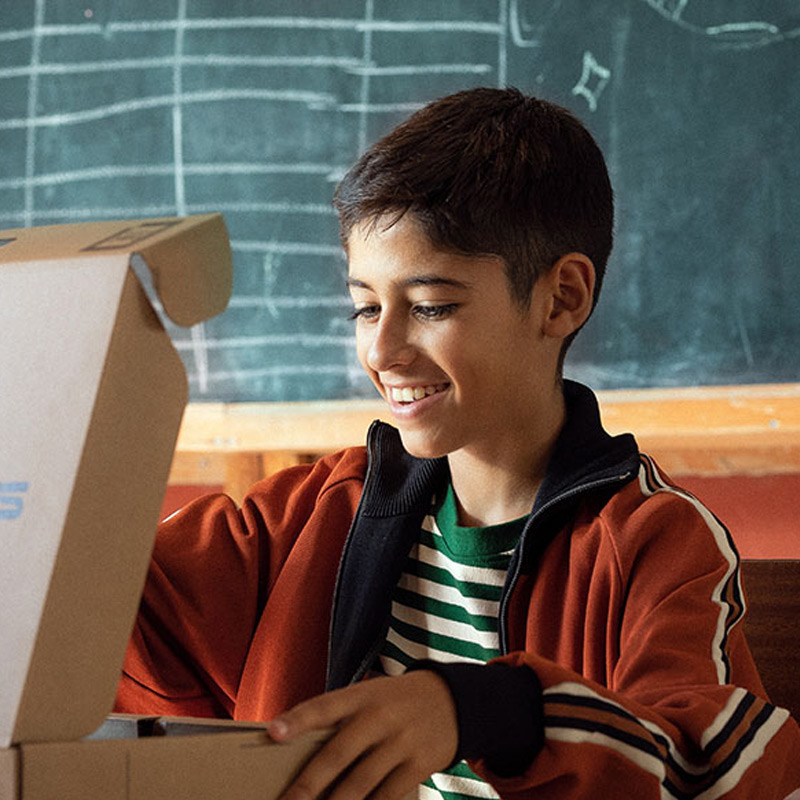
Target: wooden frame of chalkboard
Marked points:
735	430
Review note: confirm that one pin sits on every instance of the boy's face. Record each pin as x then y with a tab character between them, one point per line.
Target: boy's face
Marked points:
439	334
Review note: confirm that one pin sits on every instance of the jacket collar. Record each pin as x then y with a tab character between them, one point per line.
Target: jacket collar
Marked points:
397	483
585	455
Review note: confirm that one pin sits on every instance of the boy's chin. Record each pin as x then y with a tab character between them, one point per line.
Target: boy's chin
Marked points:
421	446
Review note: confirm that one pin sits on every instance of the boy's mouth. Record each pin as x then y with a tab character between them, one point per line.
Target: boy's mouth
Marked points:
410	394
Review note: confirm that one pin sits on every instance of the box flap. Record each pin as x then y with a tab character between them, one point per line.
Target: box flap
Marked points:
189	257
92	399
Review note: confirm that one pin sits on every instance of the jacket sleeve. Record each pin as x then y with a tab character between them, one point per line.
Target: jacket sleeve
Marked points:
212	570
683	713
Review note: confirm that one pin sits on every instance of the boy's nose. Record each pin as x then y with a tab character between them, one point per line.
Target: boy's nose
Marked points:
390	346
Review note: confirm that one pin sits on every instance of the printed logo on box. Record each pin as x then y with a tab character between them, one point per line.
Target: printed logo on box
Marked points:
133	235
10	499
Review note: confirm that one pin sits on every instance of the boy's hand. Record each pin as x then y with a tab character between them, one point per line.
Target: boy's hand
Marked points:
392	734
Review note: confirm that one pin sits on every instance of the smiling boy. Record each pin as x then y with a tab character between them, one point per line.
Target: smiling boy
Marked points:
497	522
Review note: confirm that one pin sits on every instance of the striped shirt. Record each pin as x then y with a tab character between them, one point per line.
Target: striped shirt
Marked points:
445	607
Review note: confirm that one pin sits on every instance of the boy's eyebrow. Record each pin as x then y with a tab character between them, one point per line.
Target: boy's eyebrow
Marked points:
416	280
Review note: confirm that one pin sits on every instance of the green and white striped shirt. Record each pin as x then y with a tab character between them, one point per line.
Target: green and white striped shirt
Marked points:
445	607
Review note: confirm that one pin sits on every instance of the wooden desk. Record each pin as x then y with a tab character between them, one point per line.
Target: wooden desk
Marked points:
726	430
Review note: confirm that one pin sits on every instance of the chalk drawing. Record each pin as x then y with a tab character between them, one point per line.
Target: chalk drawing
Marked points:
521	30
744	35
179	92
593	80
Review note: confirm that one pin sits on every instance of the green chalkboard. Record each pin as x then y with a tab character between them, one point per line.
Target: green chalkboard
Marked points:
117	109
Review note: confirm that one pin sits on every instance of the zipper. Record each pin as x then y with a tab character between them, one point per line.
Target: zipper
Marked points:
370	658
346	547
511	583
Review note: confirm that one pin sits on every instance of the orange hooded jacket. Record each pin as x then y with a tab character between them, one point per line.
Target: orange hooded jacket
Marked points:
624	597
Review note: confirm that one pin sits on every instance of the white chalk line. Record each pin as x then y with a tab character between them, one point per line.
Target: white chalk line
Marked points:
16	36
177	115
421	69
282	370
273	340
374	108
745	34
365	78
257	301
30	127
111	172
298	23
502	48
286	247
314	99
168	62
198	332
100	212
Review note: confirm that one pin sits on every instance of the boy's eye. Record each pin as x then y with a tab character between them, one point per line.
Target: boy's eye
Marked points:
365	312
372	312
435	312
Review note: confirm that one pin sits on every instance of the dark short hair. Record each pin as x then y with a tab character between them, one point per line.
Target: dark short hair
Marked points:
490	171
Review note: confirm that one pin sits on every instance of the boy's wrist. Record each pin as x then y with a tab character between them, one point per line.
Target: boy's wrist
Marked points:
499	710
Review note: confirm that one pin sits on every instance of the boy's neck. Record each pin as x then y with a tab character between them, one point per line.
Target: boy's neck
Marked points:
500	486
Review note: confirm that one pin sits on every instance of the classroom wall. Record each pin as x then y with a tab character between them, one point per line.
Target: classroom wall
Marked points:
760	511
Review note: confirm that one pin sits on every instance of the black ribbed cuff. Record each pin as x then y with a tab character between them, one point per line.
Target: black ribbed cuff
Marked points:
499	711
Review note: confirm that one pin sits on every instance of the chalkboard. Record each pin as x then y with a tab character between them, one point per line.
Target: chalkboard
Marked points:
113	109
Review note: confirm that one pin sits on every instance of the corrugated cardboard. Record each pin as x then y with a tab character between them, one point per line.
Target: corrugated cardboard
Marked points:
91	397
240	763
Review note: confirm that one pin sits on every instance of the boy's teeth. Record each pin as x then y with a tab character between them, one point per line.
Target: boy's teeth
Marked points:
408	394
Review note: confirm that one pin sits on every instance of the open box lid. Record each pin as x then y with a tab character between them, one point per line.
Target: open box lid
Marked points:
92	394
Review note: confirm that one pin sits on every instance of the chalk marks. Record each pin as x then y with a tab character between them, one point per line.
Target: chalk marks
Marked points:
593	80
530	30
168	101
521	30
740	34
670	8
365	77
11	500
187	77
30	121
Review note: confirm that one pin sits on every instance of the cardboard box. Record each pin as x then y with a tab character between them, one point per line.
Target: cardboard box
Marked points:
157	758
91	398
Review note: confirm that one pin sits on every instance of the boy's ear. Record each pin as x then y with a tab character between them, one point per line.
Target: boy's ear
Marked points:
571	288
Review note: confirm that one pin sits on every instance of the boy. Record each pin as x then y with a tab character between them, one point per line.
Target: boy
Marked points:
499	522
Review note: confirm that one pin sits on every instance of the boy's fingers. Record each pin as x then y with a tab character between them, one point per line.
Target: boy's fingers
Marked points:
319	712
401	782
390	733
362	777
335	759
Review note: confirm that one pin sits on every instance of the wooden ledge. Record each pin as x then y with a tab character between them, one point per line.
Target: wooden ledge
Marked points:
721	430
724	430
